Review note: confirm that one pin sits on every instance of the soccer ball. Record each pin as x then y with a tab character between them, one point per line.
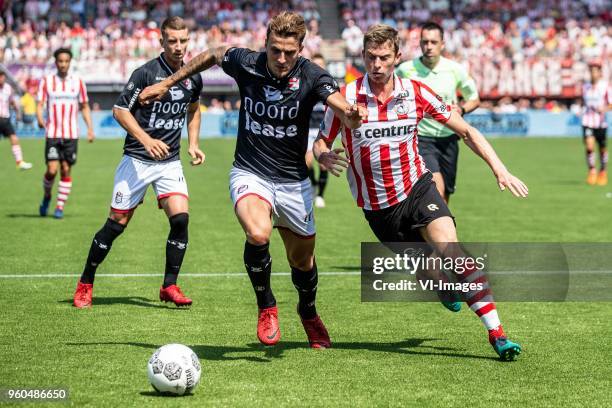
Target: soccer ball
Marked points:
174	369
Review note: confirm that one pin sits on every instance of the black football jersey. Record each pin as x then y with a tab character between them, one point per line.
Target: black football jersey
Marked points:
275	113
163	119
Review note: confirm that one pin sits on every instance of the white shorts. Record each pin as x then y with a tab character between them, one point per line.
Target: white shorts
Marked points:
312	136
133	176
291	202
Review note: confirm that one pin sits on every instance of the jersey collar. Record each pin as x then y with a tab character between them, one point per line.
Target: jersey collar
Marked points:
365	89
422	67
166	65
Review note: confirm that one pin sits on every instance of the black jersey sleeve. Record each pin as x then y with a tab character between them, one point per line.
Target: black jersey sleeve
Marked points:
234	60
128	99
324	84
197	89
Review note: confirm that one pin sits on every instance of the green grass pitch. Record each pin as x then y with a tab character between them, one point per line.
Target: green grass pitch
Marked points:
391	354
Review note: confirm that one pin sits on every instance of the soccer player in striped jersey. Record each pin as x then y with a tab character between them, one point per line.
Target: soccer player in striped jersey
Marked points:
60	96
7	100
438	144
597	97
387	175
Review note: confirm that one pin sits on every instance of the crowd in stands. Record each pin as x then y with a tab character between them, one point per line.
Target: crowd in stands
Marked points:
499	32
113	37
494	39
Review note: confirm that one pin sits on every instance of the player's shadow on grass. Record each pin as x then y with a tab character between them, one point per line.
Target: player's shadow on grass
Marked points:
32	215
416	346
130	301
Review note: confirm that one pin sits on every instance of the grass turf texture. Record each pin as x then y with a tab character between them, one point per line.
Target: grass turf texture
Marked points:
384	354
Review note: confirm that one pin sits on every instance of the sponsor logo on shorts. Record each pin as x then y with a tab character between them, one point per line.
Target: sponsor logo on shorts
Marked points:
242	188
308	217
52	154
433	207
118	197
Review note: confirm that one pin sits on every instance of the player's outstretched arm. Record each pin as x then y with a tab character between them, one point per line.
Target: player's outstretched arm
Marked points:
194	118
157	149
201	62
477	142
351	115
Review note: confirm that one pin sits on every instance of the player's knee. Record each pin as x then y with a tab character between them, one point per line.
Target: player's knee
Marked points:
120	218
179	226
301	261
258	235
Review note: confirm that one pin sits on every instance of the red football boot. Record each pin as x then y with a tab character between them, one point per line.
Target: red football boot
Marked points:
316	332
83	295
268	331
174	294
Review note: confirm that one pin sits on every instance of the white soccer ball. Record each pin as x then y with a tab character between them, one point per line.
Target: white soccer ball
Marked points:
174	369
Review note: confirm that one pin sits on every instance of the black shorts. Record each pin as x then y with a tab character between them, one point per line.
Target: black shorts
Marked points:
6	127
401	222
61	149
441	155
598	133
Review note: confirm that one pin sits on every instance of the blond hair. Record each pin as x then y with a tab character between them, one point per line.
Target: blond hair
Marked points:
381	33
287	24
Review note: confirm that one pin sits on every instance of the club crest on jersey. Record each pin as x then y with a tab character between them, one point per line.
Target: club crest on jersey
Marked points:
272	94
294	83
401	109
176	93
187	84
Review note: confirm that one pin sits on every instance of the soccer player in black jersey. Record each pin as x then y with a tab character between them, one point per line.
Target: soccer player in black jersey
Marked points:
269	180
151	157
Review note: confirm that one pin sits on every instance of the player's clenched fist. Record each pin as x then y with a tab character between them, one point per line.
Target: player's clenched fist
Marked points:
156	149
355	114
197	155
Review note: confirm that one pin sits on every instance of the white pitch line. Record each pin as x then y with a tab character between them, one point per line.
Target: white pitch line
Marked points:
144	275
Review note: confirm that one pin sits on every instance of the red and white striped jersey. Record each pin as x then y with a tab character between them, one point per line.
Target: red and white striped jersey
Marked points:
596	97
384	153
6	95
61	98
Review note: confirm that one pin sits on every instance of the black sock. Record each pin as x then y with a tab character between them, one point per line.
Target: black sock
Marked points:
258	264
322	182
306	284
311	176
590	158
176	247
101	245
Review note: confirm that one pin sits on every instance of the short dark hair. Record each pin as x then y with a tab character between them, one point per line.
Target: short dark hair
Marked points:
173	23
62	50
432	25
